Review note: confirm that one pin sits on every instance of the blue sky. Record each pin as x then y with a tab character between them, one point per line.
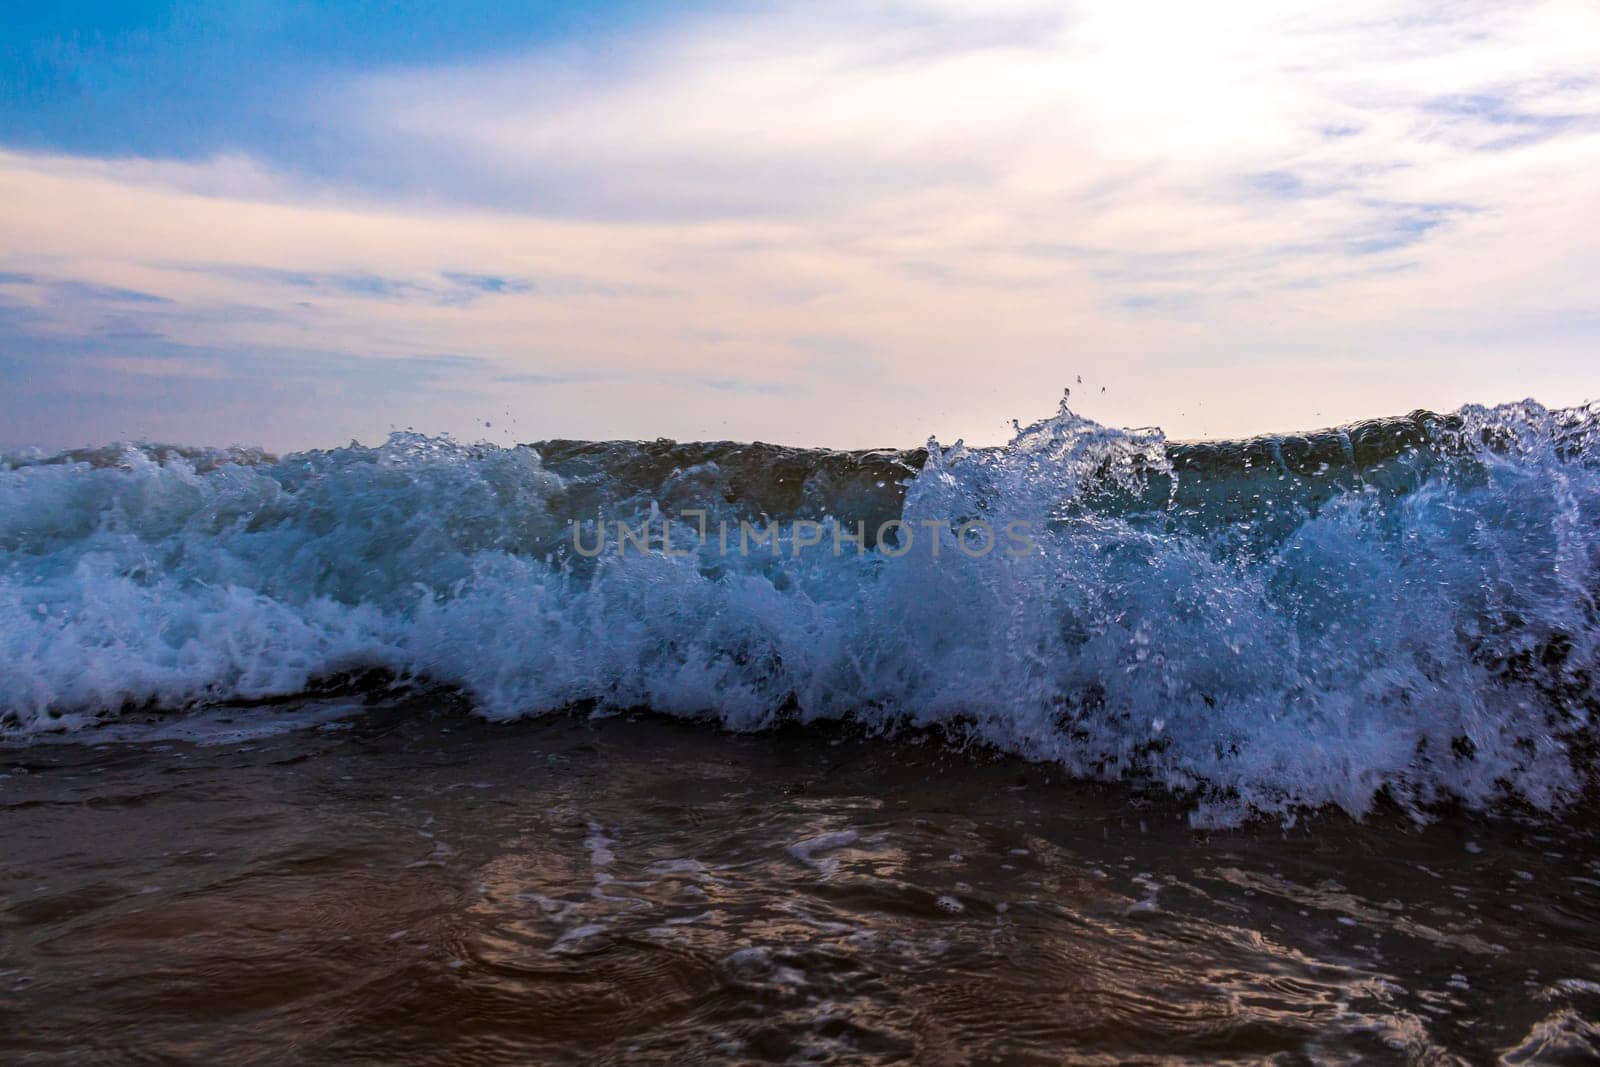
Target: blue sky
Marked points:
852	224
187	80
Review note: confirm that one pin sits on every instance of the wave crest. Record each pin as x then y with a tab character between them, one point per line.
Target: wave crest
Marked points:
1403	606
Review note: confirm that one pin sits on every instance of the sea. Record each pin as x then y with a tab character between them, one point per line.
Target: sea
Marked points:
1093	747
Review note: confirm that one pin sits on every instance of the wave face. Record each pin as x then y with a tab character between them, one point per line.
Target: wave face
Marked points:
1403	606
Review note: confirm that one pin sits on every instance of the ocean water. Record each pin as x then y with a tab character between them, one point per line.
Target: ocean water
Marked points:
398	880
1402	609
1093	747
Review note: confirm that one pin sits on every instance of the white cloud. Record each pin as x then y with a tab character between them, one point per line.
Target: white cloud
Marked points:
1241	217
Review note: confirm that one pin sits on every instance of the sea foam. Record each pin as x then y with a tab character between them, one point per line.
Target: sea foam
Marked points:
1405	607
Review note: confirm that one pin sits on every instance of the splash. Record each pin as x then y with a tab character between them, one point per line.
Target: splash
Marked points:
1404	607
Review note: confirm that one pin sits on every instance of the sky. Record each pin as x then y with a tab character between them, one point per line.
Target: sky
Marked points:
853	224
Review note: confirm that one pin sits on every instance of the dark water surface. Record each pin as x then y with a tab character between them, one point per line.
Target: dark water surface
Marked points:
406	883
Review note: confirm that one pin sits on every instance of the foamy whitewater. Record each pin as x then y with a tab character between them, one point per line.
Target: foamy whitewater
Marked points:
1403	606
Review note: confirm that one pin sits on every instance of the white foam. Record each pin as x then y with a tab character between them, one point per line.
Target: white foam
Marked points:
222	725
1361	646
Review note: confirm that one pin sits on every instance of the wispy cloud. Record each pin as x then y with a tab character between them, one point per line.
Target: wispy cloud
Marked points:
1499	121
71	290
488	283
445	287
676	381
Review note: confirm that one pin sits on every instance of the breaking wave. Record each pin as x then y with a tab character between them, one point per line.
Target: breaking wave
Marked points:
1402	607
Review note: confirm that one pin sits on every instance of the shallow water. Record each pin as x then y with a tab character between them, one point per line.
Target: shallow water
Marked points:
406	882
